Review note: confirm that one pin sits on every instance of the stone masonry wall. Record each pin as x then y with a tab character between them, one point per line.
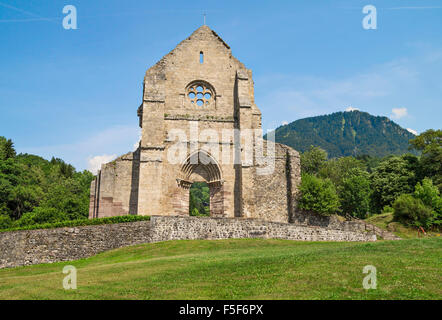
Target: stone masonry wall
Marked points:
332	222
26	247
18	248
177	228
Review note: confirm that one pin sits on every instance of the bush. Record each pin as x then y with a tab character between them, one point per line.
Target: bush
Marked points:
39	216
5	221
387	209
429	195
79	222
318	195
411	211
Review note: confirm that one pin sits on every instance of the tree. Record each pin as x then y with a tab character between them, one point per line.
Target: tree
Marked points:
355	192
318	195
430	144
337	169
389	180
19	190
33	189
411	211
313	160
7	150
199	202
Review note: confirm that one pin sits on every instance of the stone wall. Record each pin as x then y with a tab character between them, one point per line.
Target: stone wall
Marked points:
18	248
177	228
332	222
26	247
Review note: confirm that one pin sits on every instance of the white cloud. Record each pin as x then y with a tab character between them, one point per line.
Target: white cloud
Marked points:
413	131
350	108
94	163
397	113
284	123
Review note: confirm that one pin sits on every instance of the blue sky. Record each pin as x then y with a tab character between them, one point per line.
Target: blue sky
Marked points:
73	94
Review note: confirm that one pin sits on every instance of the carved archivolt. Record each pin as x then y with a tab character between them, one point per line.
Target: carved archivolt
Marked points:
200	166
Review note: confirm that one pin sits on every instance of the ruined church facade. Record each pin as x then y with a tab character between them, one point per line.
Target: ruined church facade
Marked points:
196	91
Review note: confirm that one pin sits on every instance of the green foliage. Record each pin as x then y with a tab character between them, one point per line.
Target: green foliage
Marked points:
199	202
20	189
428	193
337	169
313	160
346	134
411	211
5	221
7	150
430	143
72	223
389	180
318	195
41	215
355	193
387	209
34	190
370	162
430	196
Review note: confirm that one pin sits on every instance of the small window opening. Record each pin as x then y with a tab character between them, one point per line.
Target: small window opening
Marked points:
201	57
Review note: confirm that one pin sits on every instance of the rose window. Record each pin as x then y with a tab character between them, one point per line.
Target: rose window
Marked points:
200	94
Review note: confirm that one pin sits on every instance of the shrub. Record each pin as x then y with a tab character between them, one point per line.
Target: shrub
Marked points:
5	221
318	195
39	216
429	195
79	222
411	211
387	209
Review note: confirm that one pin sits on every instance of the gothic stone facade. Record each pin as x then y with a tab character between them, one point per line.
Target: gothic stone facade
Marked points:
199	85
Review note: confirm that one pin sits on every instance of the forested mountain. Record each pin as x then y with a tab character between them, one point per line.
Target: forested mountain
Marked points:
342	134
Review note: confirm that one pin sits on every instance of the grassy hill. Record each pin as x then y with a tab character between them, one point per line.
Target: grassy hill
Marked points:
240	269
346	134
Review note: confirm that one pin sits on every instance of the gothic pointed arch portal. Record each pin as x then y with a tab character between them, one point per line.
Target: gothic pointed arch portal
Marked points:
200	166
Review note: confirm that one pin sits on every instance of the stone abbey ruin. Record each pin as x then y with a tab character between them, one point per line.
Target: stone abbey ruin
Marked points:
198	87
199	84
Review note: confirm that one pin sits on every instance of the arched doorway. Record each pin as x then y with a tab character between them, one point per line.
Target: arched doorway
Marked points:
200	167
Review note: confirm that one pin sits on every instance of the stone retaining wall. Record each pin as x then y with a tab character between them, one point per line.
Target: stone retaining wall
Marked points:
18	248
26	247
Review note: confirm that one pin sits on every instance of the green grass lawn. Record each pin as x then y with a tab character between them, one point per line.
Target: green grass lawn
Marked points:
240	269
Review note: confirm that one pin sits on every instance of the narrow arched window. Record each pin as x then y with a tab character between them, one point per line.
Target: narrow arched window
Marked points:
201	57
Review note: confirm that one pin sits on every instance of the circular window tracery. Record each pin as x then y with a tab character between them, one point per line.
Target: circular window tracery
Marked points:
200	94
